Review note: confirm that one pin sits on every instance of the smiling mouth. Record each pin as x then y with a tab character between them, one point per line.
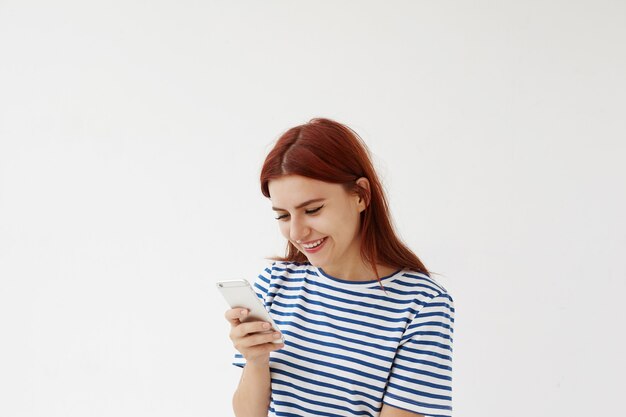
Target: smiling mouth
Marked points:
314	244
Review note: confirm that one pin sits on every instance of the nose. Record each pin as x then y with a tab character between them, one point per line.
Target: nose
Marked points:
298	230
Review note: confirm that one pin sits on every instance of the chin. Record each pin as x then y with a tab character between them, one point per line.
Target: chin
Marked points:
314	262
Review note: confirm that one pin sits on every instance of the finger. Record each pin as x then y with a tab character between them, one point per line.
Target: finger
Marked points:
235	315
261	338
263	349
257	339
244	329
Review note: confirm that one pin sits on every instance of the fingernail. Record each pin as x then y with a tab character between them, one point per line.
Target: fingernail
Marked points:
276	335
266	325
244	312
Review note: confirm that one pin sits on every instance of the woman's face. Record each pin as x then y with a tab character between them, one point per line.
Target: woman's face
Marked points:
320	219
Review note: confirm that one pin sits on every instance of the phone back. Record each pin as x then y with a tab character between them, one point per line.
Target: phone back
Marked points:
239	294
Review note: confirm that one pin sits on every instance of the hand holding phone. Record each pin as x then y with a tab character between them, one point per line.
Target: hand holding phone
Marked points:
239	294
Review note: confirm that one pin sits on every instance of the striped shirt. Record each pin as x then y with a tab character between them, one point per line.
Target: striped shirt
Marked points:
350	346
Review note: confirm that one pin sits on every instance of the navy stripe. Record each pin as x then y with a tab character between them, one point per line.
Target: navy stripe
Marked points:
308	411
317	394
422	362
405	348
338	318
262	291
319	342
409	293
295	271
422	372
357	302
343	309
431	343
421	404
446	305
428	280
357	294
264	279
344	329
437	334
412	284
335	387
410	297
420	393
424	383
354	294
438	314
335	336
337	356
329	364
431	323
349	381
288	280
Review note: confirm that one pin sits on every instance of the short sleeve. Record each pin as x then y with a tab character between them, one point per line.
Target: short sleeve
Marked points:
421	376
261	286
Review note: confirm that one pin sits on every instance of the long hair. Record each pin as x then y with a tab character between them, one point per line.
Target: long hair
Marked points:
329	151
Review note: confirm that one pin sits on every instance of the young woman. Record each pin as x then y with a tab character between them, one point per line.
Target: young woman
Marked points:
367	331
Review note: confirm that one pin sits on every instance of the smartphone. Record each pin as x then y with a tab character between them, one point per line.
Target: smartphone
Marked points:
239	294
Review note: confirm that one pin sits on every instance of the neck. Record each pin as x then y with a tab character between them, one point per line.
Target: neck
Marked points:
357	271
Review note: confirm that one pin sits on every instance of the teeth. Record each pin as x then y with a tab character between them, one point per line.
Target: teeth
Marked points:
313	245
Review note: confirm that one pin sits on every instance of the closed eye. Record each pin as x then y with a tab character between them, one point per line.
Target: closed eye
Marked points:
312	211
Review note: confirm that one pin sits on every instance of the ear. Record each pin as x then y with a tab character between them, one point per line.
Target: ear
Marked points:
363	193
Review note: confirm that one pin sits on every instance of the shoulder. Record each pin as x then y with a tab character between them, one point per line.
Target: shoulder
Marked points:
419	286
278	273
290	270
281	275
433	305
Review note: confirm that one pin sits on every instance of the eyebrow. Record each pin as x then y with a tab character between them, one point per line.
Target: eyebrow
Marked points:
306	203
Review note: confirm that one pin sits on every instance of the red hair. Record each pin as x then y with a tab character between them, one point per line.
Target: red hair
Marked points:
326	150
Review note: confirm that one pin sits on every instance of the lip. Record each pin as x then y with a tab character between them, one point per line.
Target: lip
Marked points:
315	249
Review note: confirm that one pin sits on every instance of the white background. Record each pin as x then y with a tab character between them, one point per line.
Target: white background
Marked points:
131	138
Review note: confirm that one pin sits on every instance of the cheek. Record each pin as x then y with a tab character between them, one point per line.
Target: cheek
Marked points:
284	228
340	225
349	219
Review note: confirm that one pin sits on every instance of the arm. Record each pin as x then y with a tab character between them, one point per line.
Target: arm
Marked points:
252	397
389	411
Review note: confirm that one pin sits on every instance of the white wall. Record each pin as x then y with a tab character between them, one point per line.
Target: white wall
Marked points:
131	138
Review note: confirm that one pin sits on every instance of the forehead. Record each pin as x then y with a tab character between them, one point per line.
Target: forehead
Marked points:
290	190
